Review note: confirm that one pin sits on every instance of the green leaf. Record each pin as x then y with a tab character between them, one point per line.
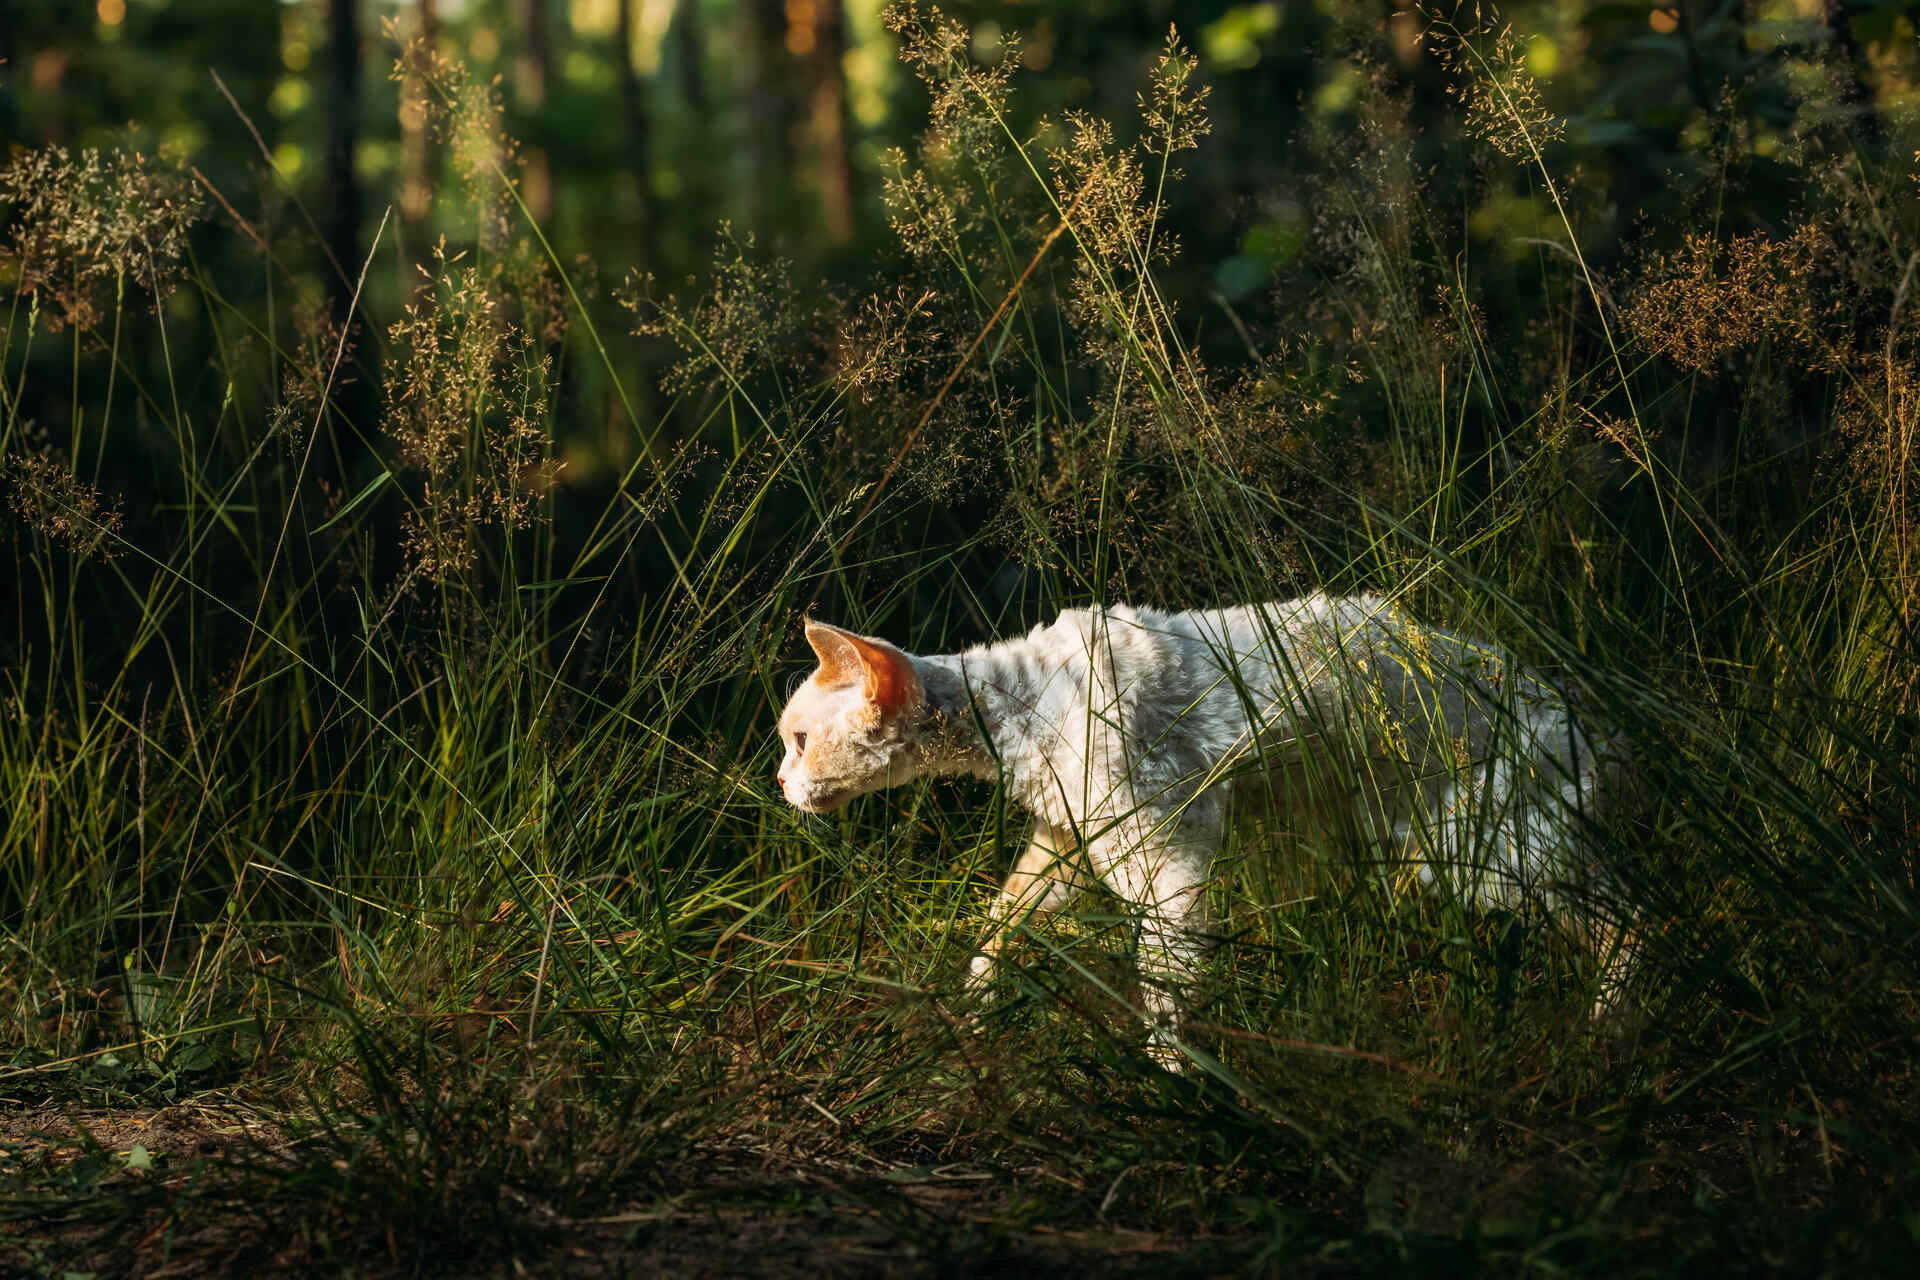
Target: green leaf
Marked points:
374	486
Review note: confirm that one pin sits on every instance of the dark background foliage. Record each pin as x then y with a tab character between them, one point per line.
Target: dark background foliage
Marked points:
425	422
643	124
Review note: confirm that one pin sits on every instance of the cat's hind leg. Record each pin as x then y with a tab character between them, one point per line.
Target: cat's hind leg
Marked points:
1045	876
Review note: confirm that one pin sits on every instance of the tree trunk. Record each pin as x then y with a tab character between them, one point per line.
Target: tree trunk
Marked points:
639	131
690	55
416	151
9	115
1857	96
768	94
832	130
345	203
533	73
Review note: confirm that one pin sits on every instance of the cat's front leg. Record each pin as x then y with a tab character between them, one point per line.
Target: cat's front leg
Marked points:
1164	870
1617	948
1044	877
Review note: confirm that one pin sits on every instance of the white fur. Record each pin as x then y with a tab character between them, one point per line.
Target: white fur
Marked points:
1129	733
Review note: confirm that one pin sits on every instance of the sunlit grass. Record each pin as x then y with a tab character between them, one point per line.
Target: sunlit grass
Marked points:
426	816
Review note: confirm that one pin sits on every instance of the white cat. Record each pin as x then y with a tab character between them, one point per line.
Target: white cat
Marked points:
1128	733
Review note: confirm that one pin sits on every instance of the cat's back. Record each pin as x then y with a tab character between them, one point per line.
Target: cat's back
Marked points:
1183	655
1119	643
1298	627
1242	628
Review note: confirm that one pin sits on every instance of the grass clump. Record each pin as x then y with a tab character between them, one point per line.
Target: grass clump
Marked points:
391	879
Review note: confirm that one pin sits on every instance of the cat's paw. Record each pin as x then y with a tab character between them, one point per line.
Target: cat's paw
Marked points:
1615	1017
967	1003
979	981
1165	1049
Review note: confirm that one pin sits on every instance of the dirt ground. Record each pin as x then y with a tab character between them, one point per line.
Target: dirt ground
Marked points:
218	1186
727	1206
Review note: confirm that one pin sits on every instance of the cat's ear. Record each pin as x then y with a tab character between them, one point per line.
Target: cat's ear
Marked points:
885	674
839	660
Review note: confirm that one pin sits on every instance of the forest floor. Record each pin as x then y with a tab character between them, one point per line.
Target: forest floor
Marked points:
731	1205
216	1186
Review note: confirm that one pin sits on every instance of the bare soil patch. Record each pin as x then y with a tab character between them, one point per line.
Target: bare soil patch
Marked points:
190	1190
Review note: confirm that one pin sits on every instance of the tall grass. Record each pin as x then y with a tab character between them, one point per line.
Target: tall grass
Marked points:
377	774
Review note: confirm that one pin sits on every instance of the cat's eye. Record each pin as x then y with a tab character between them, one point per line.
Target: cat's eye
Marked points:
799	743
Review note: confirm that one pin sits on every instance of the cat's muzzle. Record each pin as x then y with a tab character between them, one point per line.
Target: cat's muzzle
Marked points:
817	801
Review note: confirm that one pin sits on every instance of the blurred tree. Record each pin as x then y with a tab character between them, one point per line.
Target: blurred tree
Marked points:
767	95
1850	21
639	118
818	28
645	121
416	144
533	75
9	119
690	51
345	206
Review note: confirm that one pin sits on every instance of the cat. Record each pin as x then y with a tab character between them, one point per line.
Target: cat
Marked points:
1129	733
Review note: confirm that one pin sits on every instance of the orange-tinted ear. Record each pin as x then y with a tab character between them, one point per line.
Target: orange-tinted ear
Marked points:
891	682
886	674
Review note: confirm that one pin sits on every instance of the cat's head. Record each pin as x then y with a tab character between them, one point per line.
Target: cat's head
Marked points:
848	729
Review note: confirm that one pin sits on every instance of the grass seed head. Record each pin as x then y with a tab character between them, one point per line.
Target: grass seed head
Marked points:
46	495
83	222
